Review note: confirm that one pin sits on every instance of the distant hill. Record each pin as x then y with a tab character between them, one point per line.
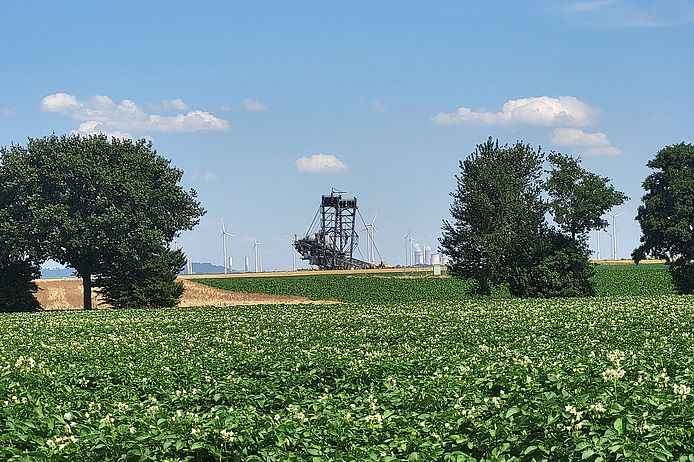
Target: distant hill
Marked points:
206	268
198	268
52	273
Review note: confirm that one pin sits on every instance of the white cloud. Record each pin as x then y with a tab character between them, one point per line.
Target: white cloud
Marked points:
8	111
208	177
539	110
605	151
59	102
612	14
226	107
577	137
94	128
320	163
176	104
100	114
253	105
591	5
597	143
378	106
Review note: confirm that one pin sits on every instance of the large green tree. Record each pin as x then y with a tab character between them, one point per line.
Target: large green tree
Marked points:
498	215
500	236
89	202
579	198
666	215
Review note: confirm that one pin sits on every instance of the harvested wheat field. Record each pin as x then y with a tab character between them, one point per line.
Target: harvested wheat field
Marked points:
66	294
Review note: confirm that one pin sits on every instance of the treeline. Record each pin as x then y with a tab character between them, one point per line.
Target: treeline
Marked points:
500	234
109	208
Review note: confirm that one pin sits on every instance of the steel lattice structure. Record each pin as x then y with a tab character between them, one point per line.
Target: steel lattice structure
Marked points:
332	245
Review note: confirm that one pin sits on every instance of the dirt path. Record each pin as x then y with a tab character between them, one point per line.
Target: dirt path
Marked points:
66	294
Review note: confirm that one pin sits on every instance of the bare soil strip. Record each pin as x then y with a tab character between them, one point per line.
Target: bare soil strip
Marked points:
66	294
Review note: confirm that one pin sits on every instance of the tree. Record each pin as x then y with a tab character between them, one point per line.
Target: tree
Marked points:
498	215
144	283
500	235
18	268
579	198
90	202
17	286
666	215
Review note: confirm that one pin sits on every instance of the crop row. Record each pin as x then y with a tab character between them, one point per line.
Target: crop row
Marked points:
592	379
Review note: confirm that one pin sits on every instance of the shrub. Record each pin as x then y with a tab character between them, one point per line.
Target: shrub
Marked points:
17	286
148	282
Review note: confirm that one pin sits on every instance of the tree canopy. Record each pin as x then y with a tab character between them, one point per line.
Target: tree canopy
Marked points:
499	234
91	201
666	214
579	198
498	213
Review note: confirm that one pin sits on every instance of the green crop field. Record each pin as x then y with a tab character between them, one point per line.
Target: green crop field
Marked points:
430	375
627	279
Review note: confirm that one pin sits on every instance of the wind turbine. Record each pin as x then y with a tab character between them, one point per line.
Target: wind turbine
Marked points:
256	244
370	233
614	234
408	244
224	235
293	239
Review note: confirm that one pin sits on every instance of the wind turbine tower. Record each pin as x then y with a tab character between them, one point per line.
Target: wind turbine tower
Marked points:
370	245
256	244
224	240
614	234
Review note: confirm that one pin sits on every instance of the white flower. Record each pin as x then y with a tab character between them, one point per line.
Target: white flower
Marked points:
597	407
227	435
681	390
67	416
613	374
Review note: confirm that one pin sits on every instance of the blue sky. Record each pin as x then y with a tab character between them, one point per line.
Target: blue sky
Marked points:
380	99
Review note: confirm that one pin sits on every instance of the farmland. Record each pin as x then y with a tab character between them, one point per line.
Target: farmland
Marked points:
420	377
624	279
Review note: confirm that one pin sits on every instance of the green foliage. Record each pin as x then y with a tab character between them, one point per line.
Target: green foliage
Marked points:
89	202
17	286
632	280
563	271
608	280
667	213
144	283
579	198
498	214
351	288
500	236
683	276
477	379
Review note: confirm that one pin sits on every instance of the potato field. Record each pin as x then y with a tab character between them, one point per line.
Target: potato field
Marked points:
408	369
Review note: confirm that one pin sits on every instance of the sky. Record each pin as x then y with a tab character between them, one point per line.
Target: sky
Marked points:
268	105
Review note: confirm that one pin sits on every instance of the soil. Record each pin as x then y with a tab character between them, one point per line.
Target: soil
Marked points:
66	294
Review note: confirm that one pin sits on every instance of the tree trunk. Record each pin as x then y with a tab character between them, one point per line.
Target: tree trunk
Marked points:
87	286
